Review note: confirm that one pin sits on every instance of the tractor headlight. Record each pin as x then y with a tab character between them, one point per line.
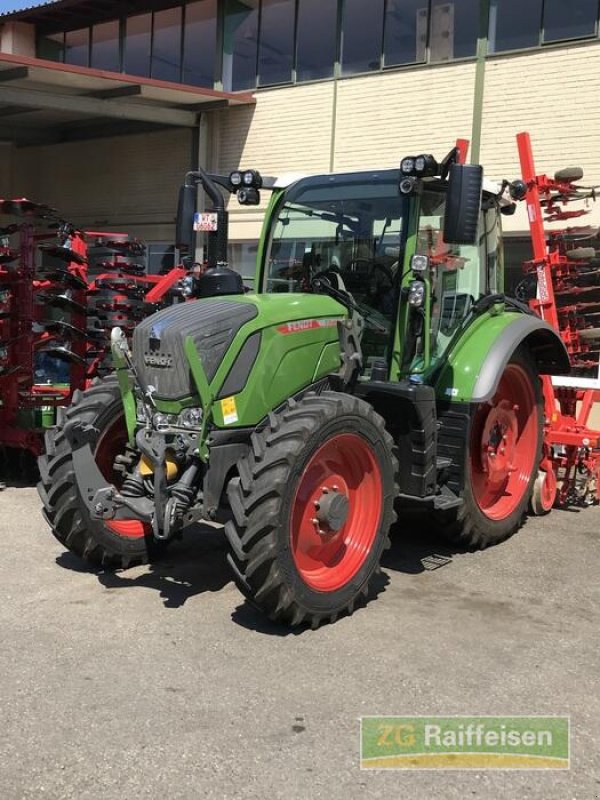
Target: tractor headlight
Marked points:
235	179
161	421
252	178
407	165
248	197
190	418
407	184
426	166
141	412
419	263
416	294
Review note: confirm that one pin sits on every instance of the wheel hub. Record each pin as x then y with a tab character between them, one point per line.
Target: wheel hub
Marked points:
332	509
498	442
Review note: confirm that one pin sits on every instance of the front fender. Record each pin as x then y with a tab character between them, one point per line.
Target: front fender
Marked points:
476	362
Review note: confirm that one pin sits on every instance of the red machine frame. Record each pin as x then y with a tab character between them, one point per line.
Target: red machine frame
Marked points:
571	448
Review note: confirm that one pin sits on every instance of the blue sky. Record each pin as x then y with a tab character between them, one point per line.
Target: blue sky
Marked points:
13	5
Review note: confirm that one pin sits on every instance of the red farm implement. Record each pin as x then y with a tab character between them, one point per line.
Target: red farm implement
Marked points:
563	287
62	291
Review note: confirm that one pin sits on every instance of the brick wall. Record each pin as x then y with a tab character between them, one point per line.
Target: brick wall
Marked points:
554	94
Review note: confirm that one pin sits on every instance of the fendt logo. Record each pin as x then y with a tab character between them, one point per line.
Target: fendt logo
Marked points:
156	360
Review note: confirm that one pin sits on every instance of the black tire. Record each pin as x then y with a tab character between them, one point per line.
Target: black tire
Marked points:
569	174
468	526
262	498
68	517
580	254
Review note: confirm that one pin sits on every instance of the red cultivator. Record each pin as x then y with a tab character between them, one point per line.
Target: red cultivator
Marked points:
59	300
564	289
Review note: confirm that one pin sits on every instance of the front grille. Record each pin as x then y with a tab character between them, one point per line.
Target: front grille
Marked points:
158	343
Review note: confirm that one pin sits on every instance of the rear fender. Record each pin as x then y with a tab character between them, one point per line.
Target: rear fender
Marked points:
475	365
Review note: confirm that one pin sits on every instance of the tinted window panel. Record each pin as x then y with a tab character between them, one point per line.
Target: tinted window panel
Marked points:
105	46
51	47
166	45
240	45
406	24
362	31
514	24
136	47
317	34
454	29
569	19
276	49
77	47
200	43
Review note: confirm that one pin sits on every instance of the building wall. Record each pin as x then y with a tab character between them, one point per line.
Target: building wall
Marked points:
127	183
17	38
374	120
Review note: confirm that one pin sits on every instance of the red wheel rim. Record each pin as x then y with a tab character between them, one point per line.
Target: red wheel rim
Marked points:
504	442
548	490
111	443
326	557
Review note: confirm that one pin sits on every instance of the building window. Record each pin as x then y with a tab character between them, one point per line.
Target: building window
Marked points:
316	39
569	20
514	24
77	47
166	45
136	47
453	29
51	46
362	35
276	46
200	43
105	46
406	23
240	44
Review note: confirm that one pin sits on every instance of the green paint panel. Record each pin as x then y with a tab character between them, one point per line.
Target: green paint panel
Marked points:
465	359
299	345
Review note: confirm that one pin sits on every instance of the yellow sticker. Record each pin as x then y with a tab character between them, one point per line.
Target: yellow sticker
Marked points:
229	410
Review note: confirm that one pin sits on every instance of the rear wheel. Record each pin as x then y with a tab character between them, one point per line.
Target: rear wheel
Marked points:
115	543
312	508
503	455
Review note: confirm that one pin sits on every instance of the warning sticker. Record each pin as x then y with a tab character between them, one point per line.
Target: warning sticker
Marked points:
229	410
205	222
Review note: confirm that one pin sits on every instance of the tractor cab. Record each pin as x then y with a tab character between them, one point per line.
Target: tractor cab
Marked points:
379	236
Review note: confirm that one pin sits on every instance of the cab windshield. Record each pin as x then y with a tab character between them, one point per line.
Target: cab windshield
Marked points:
353	225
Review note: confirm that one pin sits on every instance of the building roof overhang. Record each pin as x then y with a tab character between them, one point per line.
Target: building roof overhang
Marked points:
39	97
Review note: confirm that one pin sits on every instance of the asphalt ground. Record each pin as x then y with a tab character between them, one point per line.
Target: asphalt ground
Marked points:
160	682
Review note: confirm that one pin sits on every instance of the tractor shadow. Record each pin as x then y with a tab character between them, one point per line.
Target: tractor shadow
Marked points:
413	551
191	566
18	468
197	564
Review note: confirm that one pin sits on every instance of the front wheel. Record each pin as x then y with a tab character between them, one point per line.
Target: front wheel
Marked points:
111	543
312	508
503	454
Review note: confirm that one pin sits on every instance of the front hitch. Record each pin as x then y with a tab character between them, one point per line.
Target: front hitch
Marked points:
102	500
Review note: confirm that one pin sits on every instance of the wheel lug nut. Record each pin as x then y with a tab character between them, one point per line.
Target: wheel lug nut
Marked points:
325	490
515	408
317	506
315	521
336	488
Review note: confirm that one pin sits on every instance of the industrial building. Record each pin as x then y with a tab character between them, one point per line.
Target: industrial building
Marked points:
105	105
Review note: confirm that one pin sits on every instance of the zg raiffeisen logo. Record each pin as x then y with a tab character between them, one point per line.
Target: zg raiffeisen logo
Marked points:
464	743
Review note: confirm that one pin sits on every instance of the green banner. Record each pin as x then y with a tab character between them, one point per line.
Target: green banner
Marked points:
464	743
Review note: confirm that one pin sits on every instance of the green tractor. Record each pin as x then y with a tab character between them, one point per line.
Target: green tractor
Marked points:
377	365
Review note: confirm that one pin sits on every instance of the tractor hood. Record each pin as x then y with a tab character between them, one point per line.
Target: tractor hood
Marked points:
219	328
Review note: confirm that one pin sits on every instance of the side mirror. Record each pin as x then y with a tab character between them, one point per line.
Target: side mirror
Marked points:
463	203
186	208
